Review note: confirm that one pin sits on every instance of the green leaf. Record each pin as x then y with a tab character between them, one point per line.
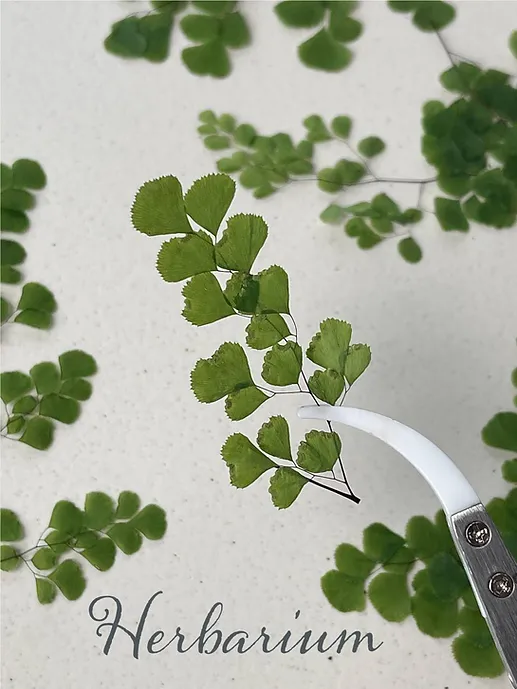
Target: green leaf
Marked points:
423	537
45	590
300	13
410	250
241	242
17	200
433	15
12	253
283	364
125	537
350	560
76	364
273	290
13	221
252	177
329	347
86	539
69	579
341	26
128	505
446	577
245	461
357	361
265	330
242	292
385	206
67	518
227	370
434	617
9	276
14	384
329	180
316	129
15	424
245	134
390	596
343	592
333	214
410	216
25	405
200	27
184	257
7	309
449	214
234	31
241	403
324	52
159	208
11	528
476	630
204	300
512	42
208	117
403	5
460	78
217	7
476	661
210	58
319	451
327	385
350	171
208	199
9	559
39	433
285	486
58	541
6	176
371	146
64	409
341	126
101	554
501	431
125	39
402	562
45	558
34	319
156	30
510	470
380	543
217	142
46	377
151	521
273	438
78	388
99	510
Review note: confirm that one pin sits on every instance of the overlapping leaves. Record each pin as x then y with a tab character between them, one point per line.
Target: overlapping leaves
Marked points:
427	15
219	266
48	393
94	534
215	29
327	49
438	596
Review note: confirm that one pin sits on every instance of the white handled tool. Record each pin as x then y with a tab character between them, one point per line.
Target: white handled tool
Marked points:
490	567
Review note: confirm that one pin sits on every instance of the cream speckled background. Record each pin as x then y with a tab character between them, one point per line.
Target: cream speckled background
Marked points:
442	335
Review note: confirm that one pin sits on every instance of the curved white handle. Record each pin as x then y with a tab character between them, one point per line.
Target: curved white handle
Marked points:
450	485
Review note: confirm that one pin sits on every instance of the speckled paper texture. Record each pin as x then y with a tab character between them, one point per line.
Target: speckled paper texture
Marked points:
442	335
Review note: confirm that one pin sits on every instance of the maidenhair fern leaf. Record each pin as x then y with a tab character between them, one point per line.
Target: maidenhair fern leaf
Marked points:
159	208
319	451
245	461
285	486
273	438
227	370
329	347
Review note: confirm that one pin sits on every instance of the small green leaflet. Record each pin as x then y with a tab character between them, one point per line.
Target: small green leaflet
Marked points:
329	347
159	208
265	330
204	300
208	199
390	596
319	451
283	364
327	385
227	370
241	242
345	593
273	438
285	486
241	403
185	257
245	461
357	360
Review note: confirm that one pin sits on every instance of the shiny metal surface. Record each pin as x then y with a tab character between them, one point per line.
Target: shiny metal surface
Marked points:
482	563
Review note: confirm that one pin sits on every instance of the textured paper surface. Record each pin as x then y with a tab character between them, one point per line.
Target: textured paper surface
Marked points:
442	335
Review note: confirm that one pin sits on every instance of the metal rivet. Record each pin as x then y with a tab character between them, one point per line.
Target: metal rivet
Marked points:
478	534
501	585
